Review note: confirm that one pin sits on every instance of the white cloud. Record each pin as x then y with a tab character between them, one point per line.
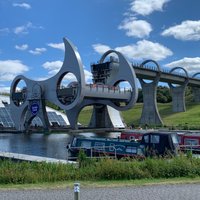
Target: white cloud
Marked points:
100	48
57	46
136	28
22	47
4	31
143	49
4	89
187	30
67	79
192	65
23	29
9	69
22	5
88	76
54	66
146	7
37	51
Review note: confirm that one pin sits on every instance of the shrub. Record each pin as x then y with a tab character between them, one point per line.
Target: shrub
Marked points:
103	169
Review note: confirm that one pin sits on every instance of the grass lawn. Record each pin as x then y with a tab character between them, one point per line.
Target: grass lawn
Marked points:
97	184
189	119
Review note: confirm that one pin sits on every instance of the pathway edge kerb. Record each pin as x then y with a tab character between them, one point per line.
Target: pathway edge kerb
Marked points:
96	184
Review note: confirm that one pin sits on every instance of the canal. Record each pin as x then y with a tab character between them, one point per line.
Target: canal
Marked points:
38	144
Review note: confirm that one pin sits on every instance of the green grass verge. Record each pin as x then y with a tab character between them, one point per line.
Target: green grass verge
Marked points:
187	120
101	170
99	184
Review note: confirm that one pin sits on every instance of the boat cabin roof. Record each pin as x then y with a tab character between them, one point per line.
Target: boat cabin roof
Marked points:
106	139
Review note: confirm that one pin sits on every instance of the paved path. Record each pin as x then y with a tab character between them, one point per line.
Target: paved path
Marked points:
159	192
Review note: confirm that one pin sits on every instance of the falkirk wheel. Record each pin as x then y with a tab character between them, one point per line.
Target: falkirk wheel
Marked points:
104	93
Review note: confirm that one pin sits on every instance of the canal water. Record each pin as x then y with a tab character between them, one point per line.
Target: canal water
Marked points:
38	144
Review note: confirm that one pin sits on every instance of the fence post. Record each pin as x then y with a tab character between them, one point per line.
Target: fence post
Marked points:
76	191
115	153
67	154
91	153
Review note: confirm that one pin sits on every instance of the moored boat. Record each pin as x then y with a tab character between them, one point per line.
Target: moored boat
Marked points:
188	140
133	134
101	146
152	143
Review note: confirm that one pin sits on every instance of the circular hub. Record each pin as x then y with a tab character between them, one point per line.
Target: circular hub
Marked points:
67	88
19	93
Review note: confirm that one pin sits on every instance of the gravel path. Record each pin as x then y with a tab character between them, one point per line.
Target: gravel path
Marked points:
159	192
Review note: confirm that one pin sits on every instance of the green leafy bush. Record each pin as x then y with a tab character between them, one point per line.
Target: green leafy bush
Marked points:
103	169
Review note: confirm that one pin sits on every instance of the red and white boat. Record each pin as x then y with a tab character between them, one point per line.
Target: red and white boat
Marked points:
188	140
133	134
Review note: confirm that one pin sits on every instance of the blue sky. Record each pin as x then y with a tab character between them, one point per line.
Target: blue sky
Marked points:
31	33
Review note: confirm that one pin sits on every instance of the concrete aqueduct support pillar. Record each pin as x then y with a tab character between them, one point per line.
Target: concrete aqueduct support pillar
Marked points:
100	117
196	90
178	93
150	114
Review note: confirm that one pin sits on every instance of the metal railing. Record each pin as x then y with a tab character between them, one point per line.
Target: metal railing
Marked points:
192	148
107	88
102	151
164	70
95	150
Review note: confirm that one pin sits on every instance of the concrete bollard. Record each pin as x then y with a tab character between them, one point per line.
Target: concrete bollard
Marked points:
76	191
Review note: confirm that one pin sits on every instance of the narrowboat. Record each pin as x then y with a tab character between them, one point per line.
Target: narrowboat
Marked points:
188	140
133	134
152	143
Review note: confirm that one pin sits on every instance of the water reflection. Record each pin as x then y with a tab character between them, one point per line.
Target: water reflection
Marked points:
51	145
